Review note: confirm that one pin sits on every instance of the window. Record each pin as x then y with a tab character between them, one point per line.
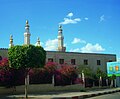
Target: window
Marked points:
98	62
110	60
73	61
0	58
61	61
85	62
50	59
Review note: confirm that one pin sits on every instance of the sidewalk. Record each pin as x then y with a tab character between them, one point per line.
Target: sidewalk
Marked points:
69	95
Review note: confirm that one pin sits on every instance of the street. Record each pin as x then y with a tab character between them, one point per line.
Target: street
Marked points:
107	96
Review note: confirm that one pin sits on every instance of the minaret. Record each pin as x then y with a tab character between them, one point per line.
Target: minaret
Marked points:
27	34
11	41
38	42
61	40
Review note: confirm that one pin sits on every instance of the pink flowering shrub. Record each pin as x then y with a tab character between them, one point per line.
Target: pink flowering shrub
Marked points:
43	75
5	73
4	64
9	76
50	67
65	75
62	76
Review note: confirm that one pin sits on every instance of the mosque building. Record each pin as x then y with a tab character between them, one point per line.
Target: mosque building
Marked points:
93	60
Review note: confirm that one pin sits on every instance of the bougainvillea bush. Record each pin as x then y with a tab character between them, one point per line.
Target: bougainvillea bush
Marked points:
5	72
65	75
39	76
42	75
8	76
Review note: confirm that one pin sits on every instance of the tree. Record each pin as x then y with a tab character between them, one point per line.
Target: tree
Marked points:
88	72
112	78
88	75
100	75
26	57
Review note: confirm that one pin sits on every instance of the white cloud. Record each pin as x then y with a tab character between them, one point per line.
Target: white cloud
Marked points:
90	48
102	18
86	18
70	15
69	20
75	50
77	40
51	45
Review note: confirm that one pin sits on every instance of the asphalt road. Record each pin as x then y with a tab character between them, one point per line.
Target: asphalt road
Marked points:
107	96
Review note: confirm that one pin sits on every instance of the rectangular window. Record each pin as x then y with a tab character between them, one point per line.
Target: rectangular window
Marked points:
73	61
98	62
85	62
0	58
50	59
110	60
61	61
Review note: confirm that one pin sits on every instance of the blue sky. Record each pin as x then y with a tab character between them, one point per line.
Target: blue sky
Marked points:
88	25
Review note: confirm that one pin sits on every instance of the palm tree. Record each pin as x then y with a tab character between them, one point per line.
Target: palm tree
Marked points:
113	77
100	74
86	72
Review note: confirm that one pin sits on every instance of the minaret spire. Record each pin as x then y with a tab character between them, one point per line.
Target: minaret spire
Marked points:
61	40
38	42
27	34
11	41
27	26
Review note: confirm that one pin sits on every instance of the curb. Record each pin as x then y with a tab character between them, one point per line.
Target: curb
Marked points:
89	95
75	97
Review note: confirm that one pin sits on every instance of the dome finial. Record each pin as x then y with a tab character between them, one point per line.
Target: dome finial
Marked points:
11	37
27	23
60	27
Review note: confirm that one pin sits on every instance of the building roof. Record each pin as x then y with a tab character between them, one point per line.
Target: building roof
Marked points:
72	52
82	53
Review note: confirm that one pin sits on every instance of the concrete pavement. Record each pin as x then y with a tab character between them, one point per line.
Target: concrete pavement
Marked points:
69	95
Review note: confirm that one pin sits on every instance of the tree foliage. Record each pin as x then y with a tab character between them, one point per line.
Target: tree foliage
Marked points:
26	56
113	77
88	72
99	73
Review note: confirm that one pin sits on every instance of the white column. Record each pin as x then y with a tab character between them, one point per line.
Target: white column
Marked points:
27	34
11	41
61	40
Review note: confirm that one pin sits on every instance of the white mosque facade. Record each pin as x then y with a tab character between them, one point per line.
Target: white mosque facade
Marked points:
93	60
